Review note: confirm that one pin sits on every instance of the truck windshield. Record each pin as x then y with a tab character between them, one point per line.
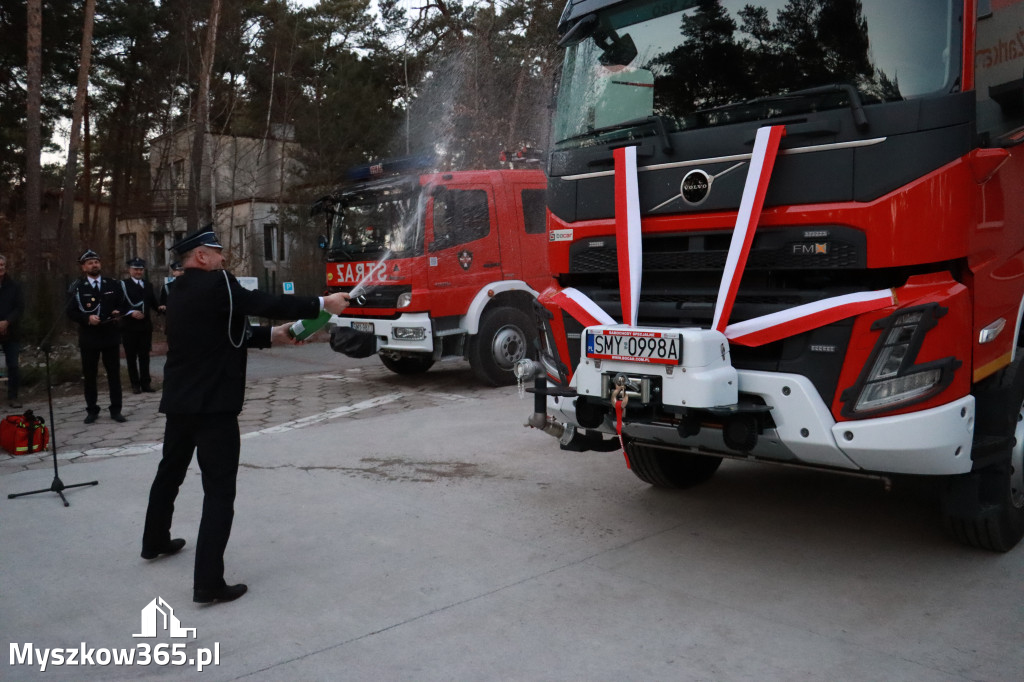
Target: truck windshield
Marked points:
378	222
697	63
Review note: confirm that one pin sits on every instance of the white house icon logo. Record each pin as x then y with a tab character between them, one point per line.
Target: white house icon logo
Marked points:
158	615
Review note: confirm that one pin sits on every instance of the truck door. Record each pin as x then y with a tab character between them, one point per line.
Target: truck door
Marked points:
462	245
524	236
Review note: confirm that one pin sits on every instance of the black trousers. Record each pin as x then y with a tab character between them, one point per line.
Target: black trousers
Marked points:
137	345
11	351
216	442
112	366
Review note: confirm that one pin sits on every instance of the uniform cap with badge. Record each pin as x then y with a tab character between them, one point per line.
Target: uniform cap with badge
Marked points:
88	255
205	236
136	263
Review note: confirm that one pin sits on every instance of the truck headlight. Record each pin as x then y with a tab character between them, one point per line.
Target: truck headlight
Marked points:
404	300
891	378
408	333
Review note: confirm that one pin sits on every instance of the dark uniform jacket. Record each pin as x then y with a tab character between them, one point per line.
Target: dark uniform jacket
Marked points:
165	291
83	301
206	354
141	298
12	307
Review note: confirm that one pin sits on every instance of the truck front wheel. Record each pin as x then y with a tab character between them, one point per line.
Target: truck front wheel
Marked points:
666	469
407	364
985	508
506	336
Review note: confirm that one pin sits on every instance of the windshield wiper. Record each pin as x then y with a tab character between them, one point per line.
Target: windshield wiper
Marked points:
658	121
860	119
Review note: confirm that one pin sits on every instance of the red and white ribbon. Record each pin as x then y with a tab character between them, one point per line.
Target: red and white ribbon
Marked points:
627	232
786	323
619	409
580	307
766	146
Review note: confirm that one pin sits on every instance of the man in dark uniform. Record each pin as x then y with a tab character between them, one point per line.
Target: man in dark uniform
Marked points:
12	307
204	387
95	303
177	270
137	325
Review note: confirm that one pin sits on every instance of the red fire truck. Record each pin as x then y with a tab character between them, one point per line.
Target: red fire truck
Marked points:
440	264
788	231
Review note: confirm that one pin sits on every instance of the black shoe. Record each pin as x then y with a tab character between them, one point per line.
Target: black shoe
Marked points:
119	418
148	389
226	593
90	418
172	547
136	389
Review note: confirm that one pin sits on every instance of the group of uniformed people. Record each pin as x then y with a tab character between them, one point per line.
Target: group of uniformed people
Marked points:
111	313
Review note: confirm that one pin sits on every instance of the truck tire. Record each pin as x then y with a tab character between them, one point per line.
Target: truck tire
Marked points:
985	508
408	364
666	469
506	336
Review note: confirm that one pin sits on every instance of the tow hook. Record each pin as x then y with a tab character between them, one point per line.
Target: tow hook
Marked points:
526	369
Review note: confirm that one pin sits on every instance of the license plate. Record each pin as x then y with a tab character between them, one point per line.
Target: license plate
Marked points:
636	345
363	326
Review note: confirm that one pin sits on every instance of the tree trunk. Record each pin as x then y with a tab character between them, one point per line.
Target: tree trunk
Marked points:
88	229
34	253
67	211
202	117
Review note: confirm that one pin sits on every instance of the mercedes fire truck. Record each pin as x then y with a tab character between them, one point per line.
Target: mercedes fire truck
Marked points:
440	264
792	231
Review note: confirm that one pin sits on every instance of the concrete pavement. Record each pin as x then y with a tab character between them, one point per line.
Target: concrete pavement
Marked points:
409	528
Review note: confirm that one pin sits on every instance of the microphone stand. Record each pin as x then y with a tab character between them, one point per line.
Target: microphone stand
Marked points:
57	486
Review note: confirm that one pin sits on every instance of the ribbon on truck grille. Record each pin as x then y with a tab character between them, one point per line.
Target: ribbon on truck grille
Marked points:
762	161
628	244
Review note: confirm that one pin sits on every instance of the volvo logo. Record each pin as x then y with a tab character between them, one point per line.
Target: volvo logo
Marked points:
695	186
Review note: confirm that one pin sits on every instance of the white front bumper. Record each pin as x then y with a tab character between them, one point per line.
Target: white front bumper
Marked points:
384	330
936	441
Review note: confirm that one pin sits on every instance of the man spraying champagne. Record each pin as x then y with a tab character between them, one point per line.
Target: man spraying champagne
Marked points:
208	336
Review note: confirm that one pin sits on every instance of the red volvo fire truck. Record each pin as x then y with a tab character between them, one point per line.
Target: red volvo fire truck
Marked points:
440	264
792	231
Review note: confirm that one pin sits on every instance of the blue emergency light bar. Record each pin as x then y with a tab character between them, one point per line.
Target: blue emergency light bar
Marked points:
379	169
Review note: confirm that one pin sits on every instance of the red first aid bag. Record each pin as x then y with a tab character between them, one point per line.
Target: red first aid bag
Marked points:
23	434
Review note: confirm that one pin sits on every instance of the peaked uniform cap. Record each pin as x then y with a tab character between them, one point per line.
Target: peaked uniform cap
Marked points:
88	255
203	237
136	263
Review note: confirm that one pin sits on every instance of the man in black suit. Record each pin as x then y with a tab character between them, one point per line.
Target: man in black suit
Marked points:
95	303
177	270
204	388
137	325
12	307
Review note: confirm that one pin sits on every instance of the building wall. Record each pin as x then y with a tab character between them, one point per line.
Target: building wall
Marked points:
242	182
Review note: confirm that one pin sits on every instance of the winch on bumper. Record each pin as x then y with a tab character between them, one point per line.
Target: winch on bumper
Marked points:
693	400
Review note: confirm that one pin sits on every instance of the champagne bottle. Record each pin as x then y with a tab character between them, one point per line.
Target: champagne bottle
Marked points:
300	330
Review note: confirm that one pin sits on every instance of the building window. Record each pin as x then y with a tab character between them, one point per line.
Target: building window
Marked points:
239	239
273	247
159	250
178	174
128	246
